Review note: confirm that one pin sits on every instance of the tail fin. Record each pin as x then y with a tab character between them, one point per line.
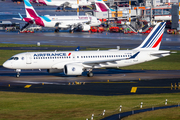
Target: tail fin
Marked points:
43	2
30	12
101	6
153	40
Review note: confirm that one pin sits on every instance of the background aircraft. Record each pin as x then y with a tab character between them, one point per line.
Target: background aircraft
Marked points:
75	62
59	22
65	3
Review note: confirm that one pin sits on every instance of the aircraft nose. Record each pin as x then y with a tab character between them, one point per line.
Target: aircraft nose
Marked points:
7	65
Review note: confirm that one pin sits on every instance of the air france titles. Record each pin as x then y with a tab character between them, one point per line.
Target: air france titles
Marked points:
49	54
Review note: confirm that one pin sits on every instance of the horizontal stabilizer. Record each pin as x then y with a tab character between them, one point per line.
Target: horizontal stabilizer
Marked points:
160	52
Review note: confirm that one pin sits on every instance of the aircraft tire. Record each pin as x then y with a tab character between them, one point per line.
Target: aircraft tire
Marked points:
17	75
90	74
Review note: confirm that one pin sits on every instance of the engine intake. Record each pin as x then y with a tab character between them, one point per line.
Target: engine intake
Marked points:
73	69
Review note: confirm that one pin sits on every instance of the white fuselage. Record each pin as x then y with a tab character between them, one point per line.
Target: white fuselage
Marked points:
67	21
70	2
57	60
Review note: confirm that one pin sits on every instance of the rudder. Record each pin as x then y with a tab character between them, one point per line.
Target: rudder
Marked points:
153	40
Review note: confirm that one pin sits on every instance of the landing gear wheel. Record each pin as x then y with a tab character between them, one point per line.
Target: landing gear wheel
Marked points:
56	30
18	75
90	74
71	31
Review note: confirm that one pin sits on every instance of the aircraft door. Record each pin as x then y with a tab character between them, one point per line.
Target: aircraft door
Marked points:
28	59
74	57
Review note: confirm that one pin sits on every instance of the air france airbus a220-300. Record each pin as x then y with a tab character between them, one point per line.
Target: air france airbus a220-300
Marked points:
75	62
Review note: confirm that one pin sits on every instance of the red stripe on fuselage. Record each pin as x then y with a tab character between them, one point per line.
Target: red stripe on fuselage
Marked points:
158	41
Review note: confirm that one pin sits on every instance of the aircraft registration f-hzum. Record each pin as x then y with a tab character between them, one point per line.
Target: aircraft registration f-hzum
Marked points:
73	22
69	3
75	62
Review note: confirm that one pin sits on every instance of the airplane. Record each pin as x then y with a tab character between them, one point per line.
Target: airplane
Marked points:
76	62
59	22
101	7
69	3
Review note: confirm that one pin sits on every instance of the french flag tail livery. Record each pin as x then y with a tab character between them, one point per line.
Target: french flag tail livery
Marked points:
153	40
101	6
30	12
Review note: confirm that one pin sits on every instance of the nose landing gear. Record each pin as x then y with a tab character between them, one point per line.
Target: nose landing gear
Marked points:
18	72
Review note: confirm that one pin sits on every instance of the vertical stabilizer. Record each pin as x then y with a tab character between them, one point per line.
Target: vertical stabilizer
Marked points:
101	6
30	12
153	40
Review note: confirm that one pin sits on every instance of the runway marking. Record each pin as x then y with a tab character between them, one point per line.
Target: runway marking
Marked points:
133	89
156	87
113	82
27	86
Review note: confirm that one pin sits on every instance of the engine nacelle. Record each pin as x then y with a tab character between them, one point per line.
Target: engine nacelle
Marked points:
74	6
86	27
54	70
73	69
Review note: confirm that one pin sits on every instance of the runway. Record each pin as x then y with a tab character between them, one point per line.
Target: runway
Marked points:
104	82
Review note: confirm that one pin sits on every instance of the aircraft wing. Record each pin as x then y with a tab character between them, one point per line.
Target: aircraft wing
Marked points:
112	61
17	18
21	18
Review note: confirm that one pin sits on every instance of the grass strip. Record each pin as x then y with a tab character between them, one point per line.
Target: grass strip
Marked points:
17	105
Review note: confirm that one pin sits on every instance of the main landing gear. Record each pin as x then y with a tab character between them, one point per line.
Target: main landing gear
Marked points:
18	72
90	73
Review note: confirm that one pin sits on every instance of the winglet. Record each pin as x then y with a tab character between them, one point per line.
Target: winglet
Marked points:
20	16
132	57
77	49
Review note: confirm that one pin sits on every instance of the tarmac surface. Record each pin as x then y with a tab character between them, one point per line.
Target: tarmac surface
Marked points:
105	82
84	39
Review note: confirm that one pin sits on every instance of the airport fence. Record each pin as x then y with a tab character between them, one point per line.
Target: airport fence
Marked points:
119	113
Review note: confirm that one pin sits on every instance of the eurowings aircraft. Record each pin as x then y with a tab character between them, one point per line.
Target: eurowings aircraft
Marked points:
69	3
102	7
59	22
75	62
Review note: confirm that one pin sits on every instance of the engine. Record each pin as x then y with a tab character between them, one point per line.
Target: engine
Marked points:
86	27
71	69
54	70
74	6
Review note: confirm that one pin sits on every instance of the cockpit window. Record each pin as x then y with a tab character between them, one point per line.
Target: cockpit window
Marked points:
11	58
14	58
